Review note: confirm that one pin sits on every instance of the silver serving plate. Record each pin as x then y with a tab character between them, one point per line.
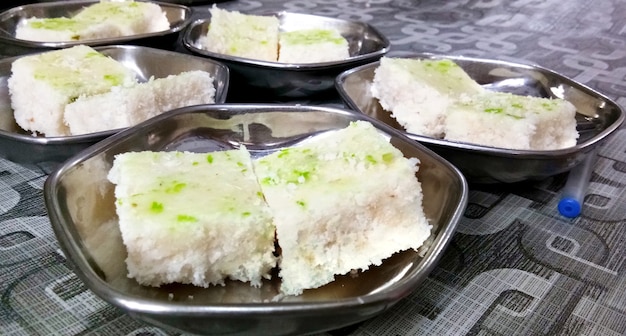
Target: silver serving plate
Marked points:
20	146
80	203
366	44
178	16
597	117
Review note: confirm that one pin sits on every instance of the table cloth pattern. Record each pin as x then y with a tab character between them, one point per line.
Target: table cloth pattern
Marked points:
514	267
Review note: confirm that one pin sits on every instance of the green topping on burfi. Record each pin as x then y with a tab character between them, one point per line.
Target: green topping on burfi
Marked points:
283	152
301	203
77	71
388	157
442	66
369	158
312	36
156	207
494	110
114	80
268	180
176	188
186	218
209	158
60	23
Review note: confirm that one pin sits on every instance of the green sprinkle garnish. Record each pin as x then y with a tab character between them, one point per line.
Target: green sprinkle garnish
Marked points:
246	214
283	153
268	180
209	158
370	159
186	218
303	174
494	110
113	79
301	203
176	188
156	207
195	163
387	157
517	105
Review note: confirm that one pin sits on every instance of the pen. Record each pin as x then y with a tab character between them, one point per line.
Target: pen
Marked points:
573	193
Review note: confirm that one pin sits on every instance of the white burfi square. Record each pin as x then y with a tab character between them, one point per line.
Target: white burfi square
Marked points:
243	35
341	202
192	218
42	85
511	121
130	17
64	29
418	92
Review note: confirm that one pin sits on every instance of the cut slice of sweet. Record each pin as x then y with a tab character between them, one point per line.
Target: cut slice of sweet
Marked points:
130	17
193	218
511	121
243	35
343	201
419	92
42	85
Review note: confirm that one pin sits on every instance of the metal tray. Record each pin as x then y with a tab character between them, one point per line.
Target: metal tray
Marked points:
20	146
80	204
597	117
366	45
178	16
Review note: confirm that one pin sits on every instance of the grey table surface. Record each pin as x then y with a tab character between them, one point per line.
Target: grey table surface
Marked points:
514	267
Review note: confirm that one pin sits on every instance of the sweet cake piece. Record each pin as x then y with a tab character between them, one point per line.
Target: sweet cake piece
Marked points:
511	121
419	92
64	29
341	202
42	85
312	46
130	17
192	218
249	36
106	19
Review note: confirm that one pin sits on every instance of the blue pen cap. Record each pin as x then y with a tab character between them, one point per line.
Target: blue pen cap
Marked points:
569	207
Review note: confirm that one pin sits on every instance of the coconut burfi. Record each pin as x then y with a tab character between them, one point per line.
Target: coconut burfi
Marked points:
106	19
236	34
130	17
127	106
42	85
192	218
312	46
64	29
419	92
511	121
341	202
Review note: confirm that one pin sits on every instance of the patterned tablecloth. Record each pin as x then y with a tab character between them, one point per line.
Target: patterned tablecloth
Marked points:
515	267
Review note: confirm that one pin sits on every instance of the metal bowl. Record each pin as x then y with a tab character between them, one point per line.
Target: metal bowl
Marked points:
366	44
597	117
80	204
178	16
20	146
